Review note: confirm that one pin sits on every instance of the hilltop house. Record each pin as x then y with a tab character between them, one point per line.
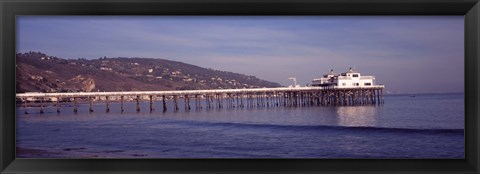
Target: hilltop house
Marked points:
349	79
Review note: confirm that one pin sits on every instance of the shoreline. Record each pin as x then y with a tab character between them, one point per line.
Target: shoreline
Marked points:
22	152
72	153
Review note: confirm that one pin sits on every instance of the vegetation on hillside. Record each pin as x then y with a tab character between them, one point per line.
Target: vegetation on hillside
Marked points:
38	72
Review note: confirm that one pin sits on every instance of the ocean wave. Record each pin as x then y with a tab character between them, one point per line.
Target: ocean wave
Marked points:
365	129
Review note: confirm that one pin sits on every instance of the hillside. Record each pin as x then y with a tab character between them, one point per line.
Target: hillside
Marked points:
37	72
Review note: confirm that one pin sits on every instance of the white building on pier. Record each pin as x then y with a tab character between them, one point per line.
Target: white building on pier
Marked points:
349	79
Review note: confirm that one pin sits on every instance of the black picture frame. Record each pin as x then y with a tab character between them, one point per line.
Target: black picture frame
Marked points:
11	8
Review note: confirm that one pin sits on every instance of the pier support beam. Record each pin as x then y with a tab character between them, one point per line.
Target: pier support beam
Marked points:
58	104
219	101
196	102
187	102
151	103
164	104
121	103
238	104
267	99
138	103
107	98
75	109
241	100
90	108
41	105
175	102
383	99
378	96
25	104
208	101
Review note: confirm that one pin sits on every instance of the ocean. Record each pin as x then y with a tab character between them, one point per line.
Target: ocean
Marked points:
405	126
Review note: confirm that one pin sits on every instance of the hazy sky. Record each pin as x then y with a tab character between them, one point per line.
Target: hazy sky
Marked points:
409	54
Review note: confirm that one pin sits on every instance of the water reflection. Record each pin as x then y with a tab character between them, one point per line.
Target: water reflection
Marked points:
356	115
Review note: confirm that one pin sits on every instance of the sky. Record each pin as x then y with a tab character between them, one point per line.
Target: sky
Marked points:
408	54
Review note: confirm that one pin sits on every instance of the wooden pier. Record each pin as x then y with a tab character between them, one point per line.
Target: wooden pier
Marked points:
222	98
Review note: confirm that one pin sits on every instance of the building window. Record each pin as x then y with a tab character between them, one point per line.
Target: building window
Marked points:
355	75
356	84
343	84
368	84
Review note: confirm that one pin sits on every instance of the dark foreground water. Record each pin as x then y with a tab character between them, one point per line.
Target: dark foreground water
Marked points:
424	126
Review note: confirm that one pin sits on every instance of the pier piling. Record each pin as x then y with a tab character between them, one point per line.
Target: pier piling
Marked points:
107	99
164	104
138	103
25	101
75	109
151	103
175	102
90	108
58	104
41	105
121	103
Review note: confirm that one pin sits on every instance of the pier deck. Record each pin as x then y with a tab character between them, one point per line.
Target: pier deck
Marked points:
256	97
